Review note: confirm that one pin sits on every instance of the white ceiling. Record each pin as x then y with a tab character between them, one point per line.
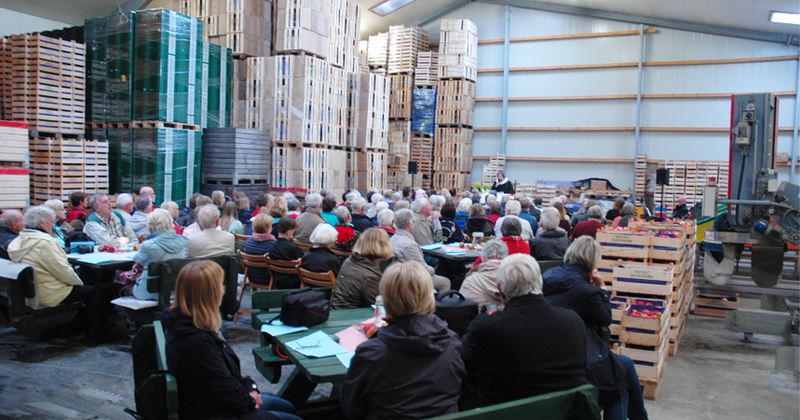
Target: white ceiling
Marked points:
744	14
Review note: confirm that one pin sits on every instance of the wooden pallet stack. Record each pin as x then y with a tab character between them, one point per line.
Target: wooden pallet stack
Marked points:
6	96
60	166
404	44
239	94
378	53
344	35
455	103
236	156
368	130
649	268
497	163
48	83
302	25
687	178
427	71
14	169
535	189
244	26
640	166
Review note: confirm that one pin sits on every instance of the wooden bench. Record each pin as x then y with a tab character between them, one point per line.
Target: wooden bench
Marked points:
18	294
545	265
267	361
156	390
164	275
578	403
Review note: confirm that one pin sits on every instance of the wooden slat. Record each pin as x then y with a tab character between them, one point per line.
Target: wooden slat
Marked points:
562	67
563	36
630	96
559	159
647	63
668	129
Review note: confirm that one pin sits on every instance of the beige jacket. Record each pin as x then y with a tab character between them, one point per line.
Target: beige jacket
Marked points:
480	284
55	276
210	243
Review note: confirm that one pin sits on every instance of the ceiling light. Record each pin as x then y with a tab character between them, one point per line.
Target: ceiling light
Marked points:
389	6
783	17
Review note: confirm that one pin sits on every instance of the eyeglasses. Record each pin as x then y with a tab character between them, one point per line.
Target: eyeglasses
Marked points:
307	346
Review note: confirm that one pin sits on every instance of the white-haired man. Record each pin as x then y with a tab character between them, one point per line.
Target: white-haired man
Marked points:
360	220
103	226
386	221
423	231
513	209
308	221
543	347
11	224
407	249
125	206
552	244
210	242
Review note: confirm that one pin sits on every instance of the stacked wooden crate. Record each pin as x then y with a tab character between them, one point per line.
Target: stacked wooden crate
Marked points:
686	178
378	53
236	156
368	131
649	267
427	71
239	94
404	44
60	166
344	36
48	83
535	189
244	26
6	96
640	166
455	103
14	170
496	164
302	26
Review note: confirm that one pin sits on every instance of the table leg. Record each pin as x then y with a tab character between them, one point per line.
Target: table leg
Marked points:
297	389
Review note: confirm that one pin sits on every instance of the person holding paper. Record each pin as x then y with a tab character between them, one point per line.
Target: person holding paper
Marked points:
412	368
210	382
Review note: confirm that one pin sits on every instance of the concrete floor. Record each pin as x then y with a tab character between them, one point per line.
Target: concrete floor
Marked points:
713	376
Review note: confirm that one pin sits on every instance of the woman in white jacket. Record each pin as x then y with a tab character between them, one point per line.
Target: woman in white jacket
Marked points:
57	281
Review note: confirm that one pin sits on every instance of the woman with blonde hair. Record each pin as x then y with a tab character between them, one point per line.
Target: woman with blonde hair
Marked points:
210	382
278	207
259	244
359	278
163	244
218	198
172	208
229	222
412	368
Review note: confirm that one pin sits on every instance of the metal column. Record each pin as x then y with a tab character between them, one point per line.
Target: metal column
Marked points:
506	55
639	87
796	123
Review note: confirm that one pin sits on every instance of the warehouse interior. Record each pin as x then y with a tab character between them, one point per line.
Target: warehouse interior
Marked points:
576	97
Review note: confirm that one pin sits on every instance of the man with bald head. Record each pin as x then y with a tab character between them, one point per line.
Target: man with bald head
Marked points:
10	227
681	210
148	191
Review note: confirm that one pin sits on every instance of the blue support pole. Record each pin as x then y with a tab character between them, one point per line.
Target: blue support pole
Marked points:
506	56
796	123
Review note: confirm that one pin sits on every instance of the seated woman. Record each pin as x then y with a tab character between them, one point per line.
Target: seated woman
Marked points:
348	234
259	244
328	206
285	249
627	214
478	222
77	215
57	281
174	211
462	213
243	212
450	230
495	212
615	212
359	278
412	368
277	209
512	230
564	222
577	285
319	258
480	284
163	244
218	198
210	382
194	227
229	222
61	227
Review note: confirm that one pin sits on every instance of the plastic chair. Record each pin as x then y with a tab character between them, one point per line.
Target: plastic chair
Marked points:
311	278
248	260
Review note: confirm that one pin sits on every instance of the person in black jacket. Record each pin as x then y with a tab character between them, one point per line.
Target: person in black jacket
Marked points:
576	285
681	210
530	348
360	220
412	368
210	383
503	184
10	226
285	249
553	242
478	222
319	258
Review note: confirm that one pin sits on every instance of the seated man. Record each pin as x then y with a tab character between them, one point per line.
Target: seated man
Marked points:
308	221
11	225
210	242
125	206
591	225
360	220
513	208
144	206
407	249
552	244
423	231
57	280
543	347
285	249
103	226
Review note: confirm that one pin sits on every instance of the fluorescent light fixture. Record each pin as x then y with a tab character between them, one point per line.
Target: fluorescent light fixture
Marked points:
783	17
389	6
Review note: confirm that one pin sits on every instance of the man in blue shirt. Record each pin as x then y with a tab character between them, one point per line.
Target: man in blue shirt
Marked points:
525	214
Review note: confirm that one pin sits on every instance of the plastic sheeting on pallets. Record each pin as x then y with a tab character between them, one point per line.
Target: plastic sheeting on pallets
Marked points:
236	155
424	113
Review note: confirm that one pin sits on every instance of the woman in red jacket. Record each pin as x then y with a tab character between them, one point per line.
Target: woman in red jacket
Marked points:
511	236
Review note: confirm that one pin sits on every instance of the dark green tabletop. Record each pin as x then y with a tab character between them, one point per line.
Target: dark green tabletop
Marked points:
453	256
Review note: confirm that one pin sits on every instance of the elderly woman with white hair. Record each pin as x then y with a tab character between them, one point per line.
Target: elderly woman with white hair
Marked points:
319	258
348	234
61	227
174	211
530	348
480	284
627	214
372	210
386	221
577	285
163	244
553	242
462	212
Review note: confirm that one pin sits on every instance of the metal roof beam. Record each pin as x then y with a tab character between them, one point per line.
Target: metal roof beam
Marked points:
452	7
787	39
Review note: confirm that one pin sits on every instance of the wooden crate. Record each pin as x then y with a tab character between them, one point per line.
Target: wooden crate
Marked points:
623	244
643	279
645	331
715	305
14	138
14	190
402	96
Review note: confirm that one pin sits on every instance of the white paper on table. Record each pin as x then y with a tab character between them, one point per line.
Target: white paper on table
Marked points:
317	344
345	358
133	303
277	328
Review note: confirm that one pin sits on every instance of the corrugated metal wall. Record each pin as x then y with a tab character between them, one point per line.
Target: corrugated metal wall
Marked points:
665	45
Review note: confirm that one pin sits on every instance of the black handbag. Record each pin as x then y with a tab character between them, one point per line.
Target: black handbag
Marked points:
456	310
304	308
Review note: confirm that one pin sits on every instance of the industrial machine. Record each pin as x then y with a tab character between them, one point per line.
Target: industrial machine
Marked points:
761	212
